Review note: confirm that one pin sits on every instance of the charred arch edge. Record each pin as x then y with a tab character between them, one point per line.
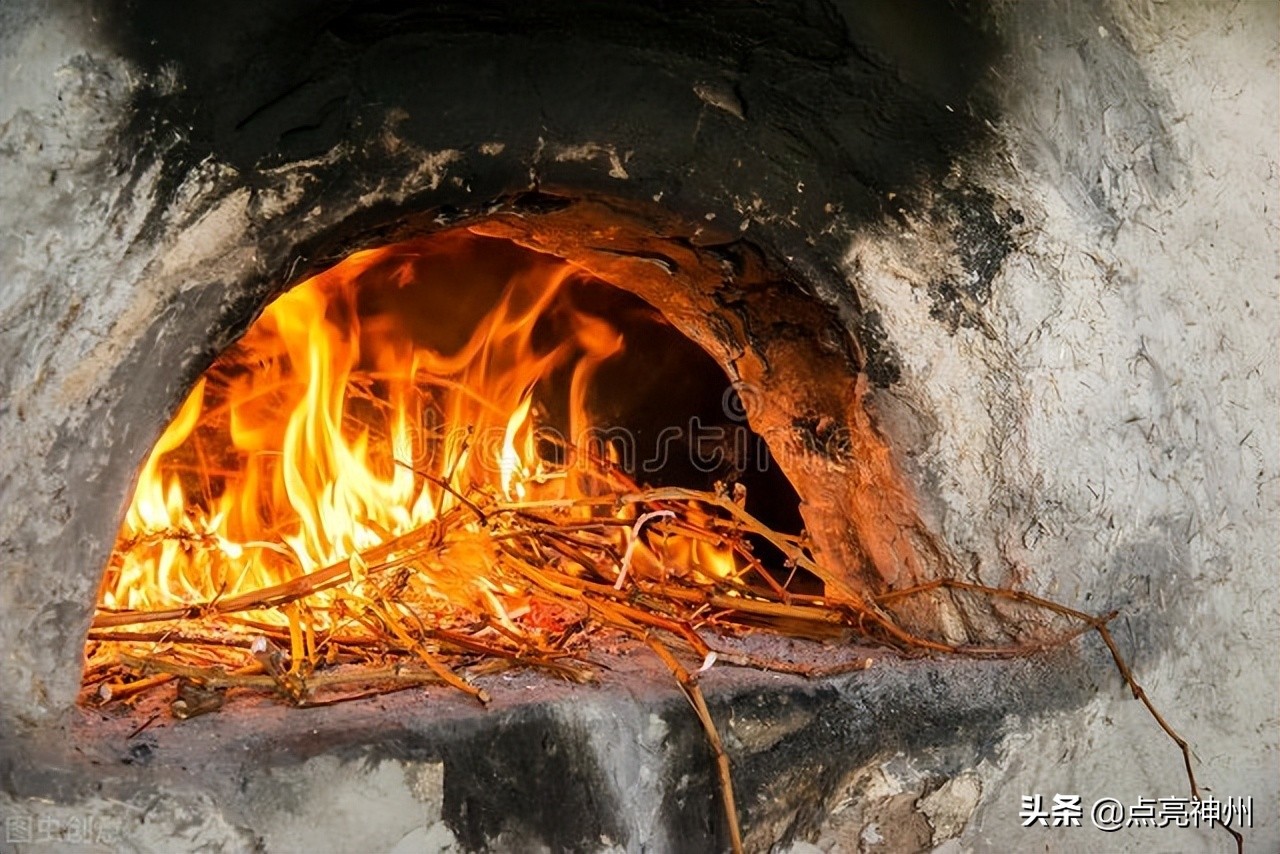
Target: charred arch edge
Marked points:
635	236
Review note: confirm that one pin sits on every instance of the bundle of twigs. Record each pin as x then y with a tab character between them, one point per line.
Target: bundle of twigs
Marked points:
556	573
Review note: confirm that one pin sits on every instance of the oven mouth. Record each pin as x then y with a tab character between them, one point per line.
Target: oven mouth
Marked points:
557	416
447	441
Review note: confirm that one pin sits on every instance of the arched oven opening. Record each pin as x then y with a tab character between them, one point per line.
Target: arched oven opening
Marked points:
406	441
371	406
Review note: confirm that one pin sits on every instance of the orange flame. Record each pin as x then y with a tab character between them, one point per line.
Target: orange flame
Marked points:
337	421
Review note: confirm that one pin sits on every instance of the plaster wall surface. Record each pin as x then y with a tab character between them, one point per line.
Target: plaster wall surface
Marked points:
1107	424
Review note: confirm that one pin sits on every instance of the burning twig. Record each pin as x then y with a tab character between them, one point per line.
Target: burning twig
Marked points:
633	540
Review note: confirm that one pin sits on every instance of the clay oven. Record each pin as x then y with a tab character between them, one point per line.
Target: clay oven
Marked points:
986	291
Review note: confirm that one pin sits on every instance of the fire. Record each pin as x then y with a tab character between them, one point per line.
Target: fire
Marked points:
363	405
372	490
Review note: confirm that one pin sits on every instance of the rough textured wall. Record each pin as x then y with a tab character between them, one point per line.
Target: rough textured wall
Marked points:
1102	418
1076	328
